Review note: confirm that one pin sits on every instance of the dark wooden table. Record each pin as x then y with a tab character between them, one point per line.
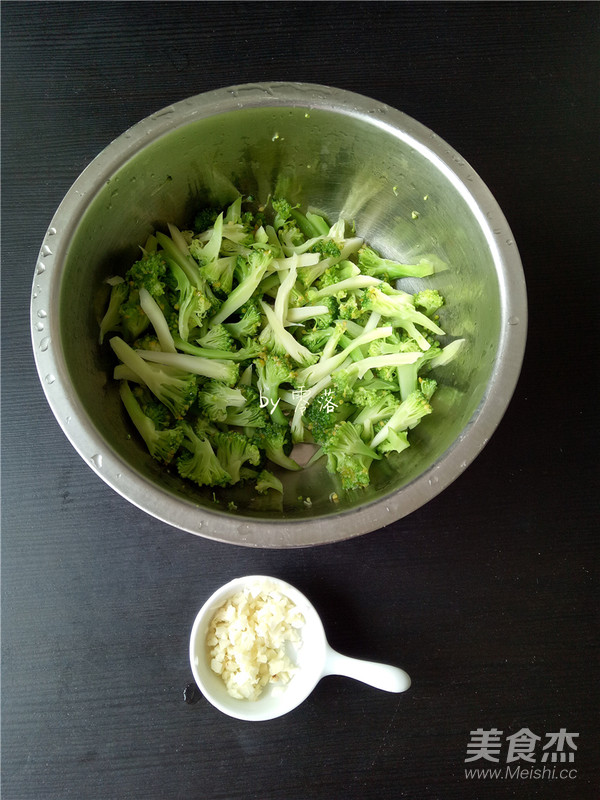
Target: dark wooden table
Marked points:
487	596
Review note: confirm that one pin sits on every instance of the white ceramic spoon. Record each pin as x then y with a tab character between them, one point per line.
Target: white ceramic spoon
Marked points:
315	659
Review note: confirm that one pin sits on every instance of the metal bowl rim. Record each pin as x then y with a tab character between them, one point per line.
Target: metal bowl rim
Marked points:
81	431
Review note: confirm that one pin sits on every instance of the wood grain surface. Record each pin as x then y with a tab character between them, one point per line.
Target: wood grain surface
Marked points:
487	596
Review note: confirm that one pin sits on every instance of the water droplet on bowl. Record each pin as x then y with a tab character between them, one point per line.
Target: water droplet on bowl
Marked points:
42	314
119	475
50	378
51	231
97	460
40	325
68	420
45	344
513	320
46	251
40	268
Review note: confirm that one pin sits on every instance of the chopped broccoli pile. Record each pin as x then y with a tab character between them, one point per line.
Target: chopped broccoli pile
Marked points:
262	328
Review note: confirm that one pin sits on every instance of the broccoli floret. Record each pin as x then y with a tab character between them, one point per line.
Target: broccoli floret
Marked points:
250	415
408	414
273	370
147	342
253	220
148	273
400	309
283	212
316	339
363	396
205	252
350	306
348	456
290	236
337	273
325	411
204	427
253	271
134	319
429	300
233	450
395	442
219	273
326	247
162	444
205	218
321	316
278	339
375	407
427	387
344	381
276	442
158	413
249	323
192	305
216	398
266	480
112	321
217	338
386	373
371	263
174	387
198	462
408	374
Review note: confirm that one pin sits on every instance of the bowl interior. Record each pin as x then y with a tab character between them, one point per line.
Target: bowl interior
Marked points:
332	160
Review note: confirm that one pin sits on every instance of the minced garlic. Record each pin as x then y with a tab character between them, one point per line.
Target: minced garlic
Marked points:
247	637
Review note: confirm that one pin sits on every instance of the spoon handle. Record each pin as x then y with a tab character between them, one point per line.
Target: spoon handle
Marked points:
381	676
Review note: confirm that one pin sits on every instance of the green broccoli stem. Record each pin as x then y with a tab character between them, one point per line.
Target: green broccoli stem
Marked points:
144	424
296	351
283	293
207	367
111	319
266	480
318	223
210	251
303	313
158	321
347	285
251	351
387	360
184	260
308	228
448	354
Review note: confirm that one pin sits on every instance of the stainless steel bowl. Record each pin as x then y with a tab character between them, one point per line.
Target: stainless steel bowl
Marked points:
408	192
